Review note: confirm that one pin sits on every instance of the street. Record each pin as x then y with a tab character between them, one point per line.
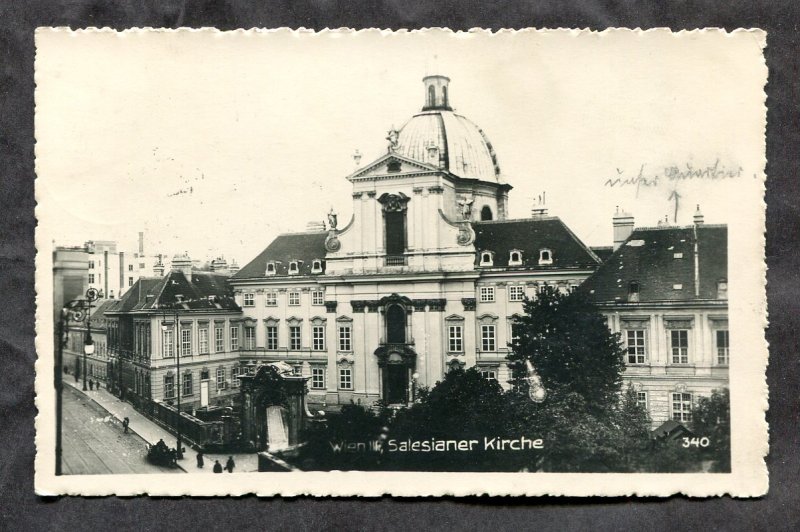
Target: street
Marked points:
94	443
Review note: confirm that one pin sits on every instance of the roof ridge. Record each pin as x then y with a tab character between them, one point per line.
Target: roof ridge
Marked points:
666	227
516	220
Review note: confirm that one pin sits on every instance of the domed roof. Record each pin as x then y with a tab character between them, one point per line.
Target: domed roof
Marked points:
439	136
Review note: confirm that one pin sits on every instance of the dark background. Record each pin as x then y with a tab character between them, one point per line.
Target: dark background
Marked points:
20	508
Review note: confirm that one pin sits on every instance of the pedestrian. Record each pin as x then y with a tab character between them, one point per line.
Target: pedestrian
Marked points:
217	467
125	423
91	384
230	464
199	459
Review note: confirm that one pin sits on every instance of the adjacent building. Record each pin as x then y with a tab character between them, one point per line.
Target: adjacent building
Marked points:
665	290
176	339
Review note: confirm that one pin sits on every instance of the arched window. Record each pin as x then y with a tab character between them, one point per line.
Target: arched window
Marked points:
486	213
545	256
431	95
395	324
444	95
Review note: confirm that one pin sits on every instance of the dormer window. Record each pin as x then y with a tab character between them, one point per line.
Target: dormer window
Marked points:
545	256
633	292
294	268
515	258
270	268
487	258
722	289
316	266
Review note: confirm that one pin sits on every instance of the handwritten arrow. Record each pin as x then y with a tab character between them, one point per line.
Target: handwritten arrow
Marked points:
677	197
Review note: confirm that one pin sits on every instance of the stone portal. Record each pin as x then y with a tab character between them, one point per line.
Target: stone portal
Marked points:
273	407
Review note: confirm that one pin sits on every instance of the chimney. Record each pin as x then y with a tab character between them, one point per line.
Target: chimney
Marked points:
539	206
233	267
315	226
698	216
623	227
219	265
182	263
158	268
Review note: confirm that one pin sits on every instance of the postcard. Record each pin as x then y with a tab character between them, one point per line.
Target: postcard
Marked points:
407	263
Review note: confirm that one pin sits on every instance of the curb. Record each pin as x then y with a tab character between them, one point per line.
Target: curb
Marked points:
92	399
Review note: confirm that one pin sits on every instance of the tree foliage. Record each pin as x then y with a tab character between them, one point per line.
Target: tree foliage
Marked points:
569	344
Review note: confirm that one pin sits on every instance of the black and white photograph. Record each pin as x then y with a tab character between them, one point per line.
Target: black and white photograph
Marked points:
407	263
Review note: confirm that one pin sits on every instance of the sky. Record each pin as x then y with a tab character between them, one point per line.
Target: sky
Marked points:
214	143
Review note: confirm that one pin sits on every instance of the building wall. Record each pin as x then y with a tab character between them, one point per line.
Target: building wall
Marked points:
660	376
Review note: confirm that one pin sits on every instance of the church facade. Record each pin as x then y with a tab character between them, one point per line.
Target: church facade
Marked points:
428	274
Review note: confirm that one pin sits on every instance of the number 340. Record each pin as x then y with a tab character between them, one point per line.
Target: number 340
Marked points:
696	442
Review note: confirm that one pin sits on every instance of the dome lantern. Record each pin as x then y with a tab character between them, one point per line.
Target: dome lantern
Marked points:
436	93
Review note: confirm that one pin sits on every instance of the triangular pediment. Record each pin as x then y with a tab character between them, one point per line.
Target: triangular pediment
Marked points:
392	164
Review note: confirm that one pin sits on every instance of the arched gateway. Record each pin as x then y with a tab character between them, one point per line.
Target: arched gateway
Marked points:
273	406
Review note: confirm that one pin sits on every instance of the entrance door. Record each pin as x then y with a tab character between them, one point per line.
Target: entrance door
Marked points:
396	384
203	393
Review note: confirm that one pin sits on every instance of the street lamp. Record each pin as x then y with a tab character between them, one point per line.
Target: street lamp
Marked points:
88	350
176	351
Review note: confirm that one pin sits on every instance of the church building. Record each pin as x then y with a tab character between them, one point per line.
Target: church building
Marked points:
428	274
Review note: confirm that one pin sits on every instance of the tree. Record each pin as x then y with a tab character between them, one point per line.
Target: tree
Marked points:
570	346
712	420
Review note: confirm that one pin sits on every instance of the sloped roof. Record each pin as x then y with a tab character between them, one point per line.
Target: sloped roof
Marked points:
155	293
285	248
99	310
658	259
603	252
529	236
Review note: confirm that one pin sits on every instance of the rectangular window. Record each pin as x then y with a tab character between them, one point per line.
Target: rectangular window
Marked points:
317	378
169	387
203	341
487	294
679	341
186	342
641	398
295	340
272	337
220	378
91	278
489	374
234	338
235	377
345	378
682	406
455	339
637	354
168	343
318	337
219	339
186	385
271	299
516	293
488	337
91	265
130	267
317	297
130	281
294	298
249	337
723	347
249	299
345	338
516	332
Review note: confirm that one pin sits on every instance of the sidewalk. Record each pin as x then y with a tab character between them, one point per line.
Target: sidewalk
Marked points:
151	432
